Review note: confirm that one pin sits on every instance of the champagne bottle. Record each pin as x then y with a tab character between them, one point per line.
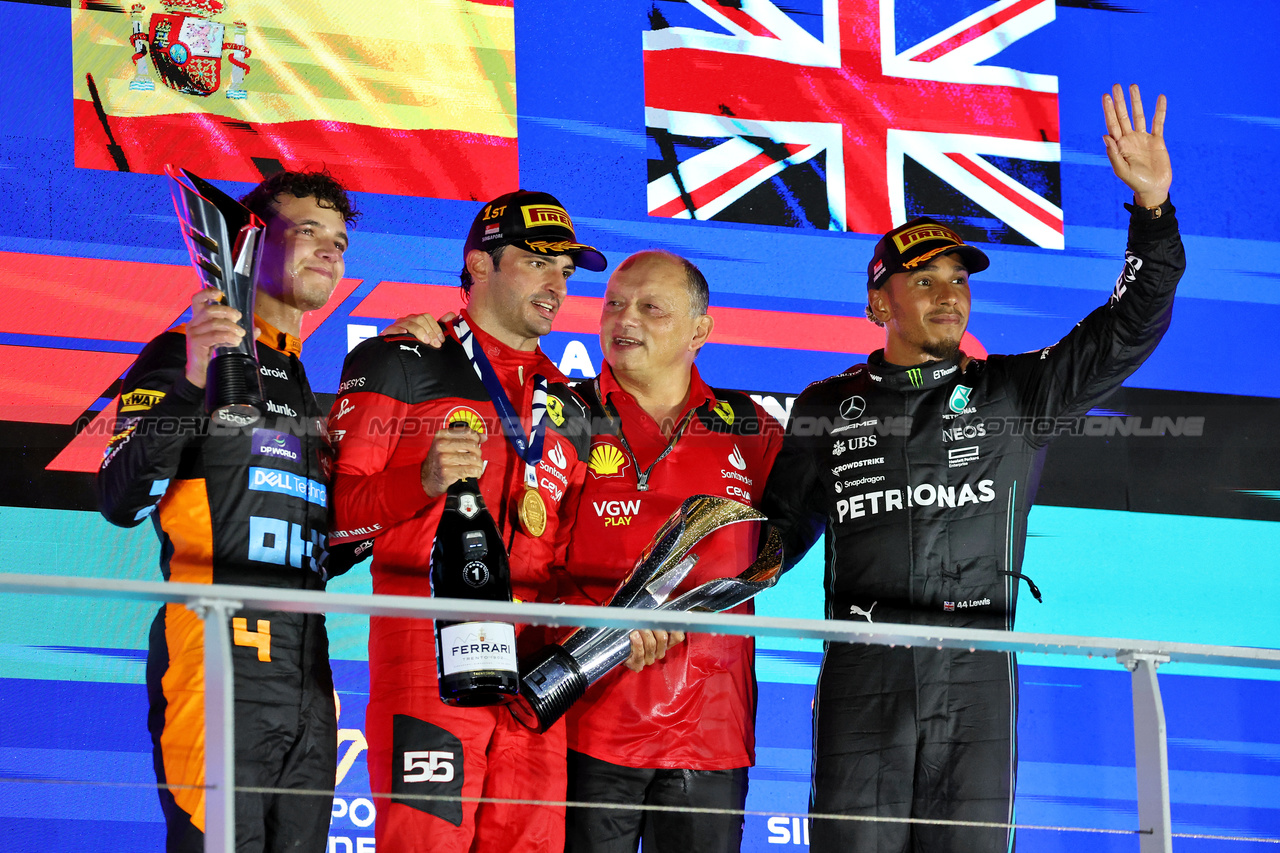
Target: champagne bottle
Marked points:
476	661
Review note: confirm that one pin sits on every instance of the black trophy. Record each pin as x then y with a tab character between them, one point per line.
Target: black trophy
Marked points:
224	239
556	676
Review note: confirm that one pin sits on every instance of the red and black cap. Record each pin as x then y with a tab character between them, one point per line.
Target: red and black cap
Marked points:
908	246
536	222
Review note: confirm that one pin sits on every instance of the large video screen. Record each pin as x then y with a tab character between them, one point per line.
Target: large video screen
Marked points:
769	142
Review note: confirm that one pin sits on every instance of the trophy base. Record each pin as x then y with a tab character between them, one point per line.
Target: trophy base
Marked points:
233	392
553	683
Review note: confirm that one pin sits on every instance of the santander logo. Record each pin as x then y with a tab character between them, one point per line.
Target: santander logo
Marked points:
736	460
557	457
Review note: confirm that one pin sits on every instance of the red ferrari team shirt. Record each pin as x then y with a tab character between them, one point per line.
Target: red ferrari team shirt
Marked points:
694	709
396	393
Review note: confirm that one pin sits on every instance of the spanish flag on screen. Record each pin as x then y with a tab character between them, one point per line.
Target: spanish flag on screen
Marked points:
409	97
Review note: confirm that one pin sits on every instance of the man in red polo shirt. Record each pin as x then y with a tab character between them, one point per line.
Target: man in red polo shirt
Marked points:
681	731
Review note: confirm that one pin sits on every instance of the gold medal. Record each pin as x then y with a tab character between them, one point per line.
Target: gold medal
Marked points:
533	512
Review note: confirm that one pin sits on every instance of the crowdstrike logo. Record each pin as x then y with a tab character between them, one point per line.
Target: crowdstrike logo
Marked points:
859	463
736	460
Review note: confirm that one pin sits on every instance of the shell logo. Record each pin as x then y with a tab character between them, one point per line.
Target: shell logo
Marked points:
470	417
606	461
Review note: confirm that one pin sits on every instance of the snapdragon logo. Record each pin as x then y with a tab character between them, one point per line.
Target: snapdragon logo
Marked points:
923	495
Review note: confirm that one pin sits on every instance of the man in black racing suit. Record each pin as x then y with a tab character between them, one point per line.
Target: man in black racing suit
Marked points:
921	466
242	506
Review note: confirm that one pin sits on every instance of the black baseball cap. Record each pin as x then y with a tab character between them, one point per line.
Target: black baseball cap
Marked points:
536	222
908	246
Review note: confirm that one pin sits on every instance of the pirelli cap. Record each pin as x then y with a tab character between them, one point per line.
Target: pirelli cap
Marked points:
536	222
909	246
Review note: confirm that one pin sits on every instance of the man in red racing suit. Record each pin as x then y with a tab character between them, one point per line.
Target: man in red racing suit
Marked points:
397	454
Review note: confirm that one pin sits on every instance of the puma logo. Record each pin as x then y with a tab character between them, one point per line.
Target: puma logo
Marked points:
855	610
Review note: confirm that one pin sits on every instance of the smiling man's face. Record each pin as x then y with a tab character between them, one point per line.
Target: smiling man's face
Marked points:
302	252
925	310
516	299
648	326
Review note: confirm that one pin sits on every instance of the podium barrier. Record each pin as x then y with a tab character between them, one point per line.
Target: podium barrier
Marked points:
214	602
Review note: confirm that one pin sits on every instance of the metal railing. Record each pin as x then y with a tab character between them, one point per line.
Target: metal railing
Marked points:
215	603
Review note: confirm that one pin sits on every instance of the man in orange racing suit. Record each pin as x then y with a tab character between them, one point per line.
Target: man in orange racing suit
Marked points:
242	506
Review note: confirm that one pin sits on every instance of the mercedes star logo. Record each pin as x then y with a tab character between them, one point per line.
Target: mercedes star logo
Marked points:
852	408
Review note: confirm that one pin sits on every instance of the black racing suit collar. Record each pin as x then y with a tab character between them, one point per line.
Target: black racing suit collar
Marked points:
927	375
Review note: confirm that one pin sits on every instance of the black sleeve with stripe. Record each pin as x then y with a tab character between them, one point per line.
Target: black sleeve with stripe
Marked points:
161	414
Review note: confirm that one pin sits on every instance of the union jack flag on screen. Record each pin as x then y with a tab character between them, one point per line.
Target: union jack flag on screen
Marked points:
852	115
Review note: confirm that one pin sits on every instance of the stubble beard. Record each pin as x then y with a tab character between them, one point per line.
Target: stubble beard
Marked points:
942	350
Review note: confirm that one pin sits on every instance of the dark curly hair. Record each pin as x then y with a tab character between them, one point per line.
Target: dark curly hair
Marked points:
321	185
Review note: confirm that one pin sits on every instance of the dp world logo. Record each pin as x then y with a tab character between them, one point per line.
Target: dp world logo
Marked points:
852	408
959	398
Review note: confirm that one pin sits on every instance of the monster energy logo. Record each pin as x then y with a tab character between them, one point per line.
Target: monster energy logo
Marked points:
916	375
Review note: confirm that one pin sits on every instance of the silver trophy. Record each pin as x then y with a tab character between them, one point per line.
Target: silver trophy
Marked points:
556	676
224	239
